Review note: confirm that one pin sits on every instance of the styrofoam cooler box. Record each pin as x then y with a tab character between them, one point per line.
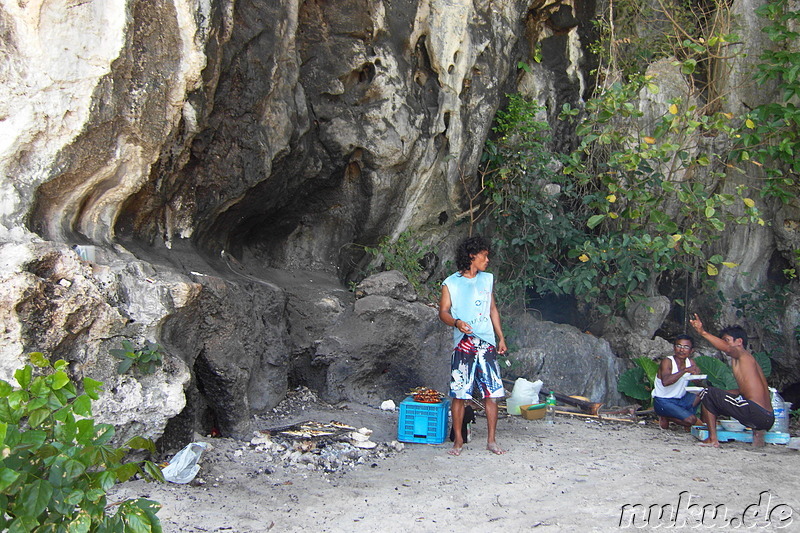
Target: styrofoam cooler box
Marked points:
422	422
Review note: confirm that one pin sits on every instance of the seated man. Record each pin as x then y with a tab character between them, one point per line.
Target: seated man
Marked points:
671	402
750	403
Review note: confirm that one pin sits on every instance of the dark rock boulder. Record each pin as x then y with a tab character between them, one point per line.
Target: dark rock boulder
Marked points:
566	359
384	346
390	283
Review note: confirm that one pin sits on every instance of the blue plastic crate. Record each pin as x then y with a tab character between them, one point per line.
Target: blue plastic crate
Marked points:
701	432
422	422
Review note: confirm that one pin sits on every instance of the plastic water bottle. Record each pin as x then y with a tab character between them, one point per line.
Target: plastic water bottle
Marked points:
550	409
781	424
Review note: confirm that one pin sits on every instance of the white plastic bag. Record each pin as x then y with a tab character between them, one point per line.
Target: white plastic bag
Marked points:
524	393
183	467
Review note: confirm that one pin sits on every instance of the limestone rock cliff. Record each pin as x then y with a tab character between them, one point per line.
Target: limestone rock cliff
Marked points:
192	144
222	165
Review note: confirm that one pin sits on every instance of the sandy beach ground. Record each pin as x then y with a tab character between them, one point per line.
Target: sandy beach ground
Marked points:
577	475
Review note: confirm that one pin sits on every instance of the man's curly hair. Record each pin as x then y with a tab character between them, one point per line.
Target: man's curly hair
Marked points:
469	247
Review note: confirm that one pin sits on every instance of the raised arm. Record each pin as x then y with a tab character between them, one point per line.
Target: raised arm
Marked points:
715	341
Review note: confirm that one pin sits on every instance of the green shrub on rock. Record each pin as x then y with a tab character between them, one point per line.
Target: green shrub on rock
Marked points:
56	463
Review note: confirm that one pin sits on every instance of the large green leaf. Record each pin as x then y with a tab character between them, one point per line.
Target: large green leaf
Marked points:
81	524
764	361
37	417
82	405
632	383
92	388
103	433
719	373
32	439
60	379
650	368
124	365
141	443
34	497
23	376
153	470
65	472
39	359
126	471
7	477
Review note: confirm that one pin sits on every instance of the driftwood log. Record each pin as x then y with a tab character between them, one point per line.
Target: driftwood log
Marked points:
591	408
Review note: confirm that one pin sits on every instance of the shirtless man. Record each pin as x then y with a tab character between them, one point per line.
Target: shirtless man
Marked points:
750	403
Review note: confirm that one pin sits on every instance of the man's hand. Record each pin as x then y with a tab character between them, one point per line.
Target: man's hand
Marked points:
694	369
501	347
697	324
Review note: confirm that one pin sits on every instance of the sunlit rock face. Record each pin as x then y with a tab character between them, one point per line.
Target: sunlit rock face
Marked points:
285	129
52	301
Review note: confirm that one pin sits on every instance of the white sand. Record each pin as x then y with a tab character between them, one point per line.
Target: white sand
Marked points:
574	476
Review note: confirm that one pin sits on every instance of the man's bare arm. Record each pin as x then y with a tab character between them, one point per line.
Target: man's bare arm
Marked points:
666	375
494	314
715	341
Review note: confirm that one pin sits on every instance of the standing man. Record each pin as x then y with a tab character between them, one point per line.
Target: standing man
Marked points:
467	305
671	402
750	403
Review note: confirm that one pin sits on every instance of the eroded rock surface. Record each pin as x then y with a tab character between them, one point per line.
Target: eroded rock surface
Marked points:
230	160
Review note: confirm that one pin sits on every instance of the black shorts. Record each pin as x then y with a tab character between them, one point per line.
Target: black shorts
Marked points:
752	415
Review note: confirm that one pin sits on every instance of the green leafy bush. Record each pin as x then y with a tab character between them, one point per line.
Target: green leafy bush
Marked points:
57	463
144	359
770	135
621	212
532	209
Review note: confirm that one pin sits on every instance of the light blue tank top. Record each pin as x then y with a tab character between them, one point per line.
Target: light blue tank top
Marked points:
471	301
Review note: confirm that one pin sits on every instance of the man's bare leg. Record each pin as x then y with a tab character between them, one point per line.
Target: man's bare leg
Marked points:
663	421
758	438
457	414
490	407
710	420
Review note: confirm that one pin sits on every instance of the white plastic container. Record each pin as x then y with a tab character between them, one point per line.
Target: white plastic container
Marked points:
524	393
781	413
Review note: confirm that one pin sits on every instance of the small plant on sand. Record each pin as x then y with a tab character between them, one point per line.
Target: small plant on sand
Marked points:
56	463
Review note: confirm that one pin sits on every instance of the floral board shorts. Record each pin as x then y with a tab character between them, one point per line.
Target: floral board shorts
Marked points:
474	371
